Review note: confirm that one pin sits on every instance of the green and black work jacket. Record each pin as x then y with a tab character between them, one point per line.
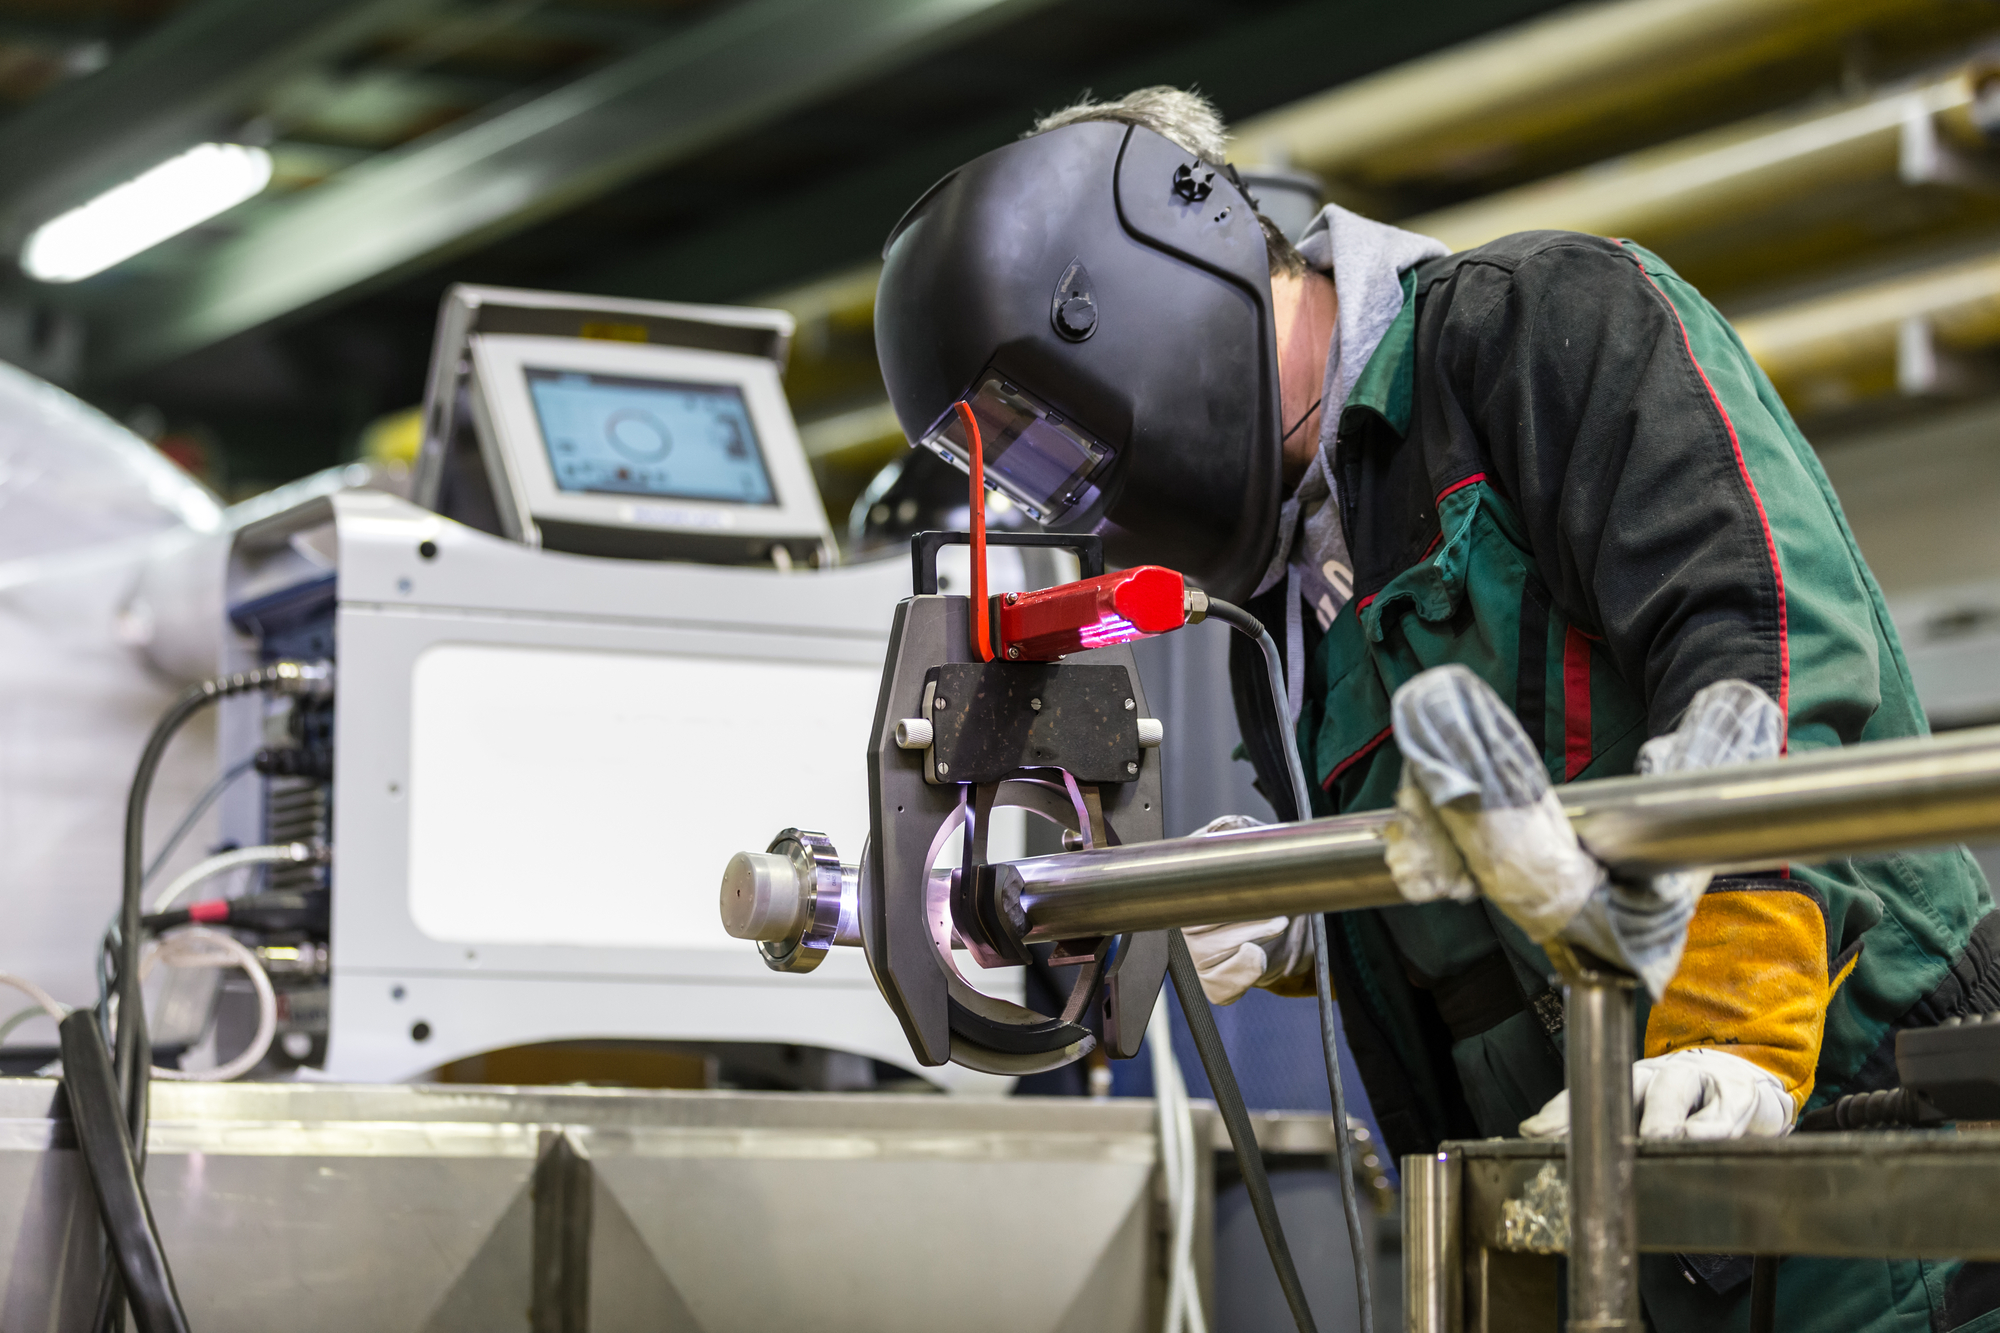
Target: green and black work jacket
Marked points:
1562	469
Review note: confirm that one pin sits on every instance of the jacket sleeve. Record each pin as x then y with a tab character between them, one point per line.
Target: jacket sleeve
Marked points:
1671	515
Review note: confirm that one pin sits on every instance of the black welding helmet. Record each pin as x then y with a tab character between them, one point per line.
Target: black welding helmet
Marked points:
1102	300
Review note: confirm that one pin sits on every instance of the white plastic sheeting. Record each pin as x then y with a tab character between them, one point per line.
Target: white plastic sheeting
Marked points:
110	603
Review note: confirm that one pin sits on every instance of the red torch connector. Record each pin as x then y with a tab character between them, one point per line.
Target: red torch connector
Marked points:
1131	604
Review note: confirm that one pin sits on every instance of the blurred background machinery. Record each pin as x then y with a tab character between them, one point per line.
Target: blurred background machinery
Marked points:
1822	169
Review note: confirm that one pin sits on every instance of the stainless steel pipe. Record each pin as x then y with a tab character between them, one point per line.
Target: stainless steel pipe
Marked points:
1603	1155
1863	798
1433	1245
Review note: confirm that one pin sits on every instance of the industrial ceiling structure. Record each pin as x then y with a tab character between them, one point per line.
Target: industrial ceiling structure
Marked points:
1820	168
670	148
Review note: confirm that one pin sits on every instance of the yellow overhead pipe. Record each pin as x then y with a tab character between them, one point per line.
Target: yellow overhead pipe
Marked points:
1444	115
1843	345
1728	174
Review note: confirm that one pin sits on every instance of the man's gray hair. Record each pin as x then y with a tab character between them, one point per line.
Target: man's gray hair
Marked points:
1189	119
1185	118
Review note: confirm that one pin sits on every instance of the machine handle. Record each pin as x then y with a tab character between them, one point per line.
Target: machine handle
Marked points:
924	549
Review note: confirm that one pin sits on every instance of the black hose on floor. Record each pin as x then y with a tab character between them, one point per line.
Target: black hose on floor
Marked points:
1329	1025
110	1163
1229	1101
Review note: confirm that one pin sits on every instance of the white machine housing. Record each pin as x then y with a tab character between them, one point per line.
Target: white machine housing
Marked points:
555	721
542	763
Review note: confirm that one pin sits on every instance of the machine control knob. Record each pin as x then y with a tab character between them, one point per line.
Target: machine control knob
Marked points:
914	733
1151	733
764	897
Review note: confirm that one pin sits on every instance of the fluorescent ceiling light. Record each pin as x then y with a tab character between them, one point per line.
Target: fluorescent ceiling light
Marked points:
179	193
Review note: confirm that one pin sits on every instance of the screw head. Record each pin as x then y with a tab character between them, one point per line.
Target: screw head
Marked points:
1035	704
1013	650
1013	597
943	768
940	703
1131	767
1129	705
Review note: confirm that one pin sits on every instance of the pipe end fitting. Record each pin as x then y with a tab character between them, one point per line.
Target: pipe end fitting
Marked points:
764	897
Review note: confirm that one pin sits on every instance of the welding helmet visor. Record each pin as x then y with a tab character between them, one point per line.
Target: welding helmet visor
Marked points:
1046	464
1100	298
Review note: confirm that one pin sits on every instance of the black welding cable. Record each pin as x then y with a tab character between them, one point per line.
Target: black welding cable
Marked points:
114	1177
1329	1024
1229	1101
134	1053
132	1064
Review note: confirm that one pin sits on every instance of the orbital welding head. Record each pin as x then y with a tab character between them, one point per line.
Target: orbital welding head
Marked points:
1101	298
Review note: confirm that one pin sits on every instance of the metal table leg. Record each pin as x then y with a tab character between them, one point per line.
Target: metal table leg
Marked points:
1433	1224
1603	1145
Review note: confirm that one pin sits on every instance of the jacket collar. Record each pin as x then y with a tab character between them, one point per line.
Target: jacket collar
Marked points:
1387	384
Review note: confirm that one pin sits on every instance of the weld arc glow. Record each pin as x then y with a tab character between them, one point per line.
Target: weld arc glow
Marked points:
126	219
1109	630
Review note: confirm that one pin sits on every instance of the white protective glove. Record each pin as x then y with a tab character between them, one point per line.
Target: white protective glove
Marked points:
1479	815
1699	1093
1232	957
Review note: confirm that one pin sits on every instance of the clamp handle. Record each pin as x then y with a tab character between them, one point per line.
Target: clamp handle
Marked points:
924	548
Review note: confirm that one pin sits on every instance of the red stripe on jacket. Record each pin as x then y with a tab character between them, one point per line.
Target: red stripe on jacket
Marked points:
1576	703
1742	467
1374	744
1459	486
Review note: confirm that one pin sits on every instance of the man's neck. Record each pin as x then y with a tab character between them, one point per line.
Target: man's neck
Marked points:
1304	310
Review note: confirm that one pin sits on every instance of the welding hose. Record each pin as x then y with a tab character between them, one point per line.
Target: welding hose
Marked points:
1178	1164
113	1169
201	806
1329	1024
294	853
132	1062
1229	1101
201	946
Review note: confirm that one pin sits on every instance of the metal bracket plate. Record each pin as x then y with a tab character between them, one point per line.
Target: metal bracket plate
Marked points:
990	719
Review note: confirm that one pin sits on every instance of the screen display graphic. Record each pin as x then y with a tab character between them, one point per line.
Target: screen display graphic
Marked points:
625	435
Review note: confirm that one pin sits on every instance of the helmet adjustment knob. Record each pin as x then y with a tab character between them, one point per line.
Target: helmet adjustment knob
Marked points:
1193	181
1074	310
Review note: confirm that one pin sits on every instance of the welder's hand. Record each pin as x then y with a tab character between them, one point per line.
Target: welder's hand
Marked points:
1478	808
1479	812
1644	923
1699	1093
1236	955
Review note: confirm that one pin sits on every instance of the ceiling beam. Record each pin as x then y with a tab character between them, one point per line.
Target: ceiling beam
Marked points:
187	80
746	66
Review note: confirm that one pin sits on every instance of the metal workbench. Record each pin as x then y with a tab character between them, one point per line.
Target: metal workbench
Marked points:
1484	1221
335	1207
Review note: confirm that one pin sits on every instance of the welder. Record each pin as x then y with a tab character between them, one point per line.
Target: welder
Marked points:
1548	465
